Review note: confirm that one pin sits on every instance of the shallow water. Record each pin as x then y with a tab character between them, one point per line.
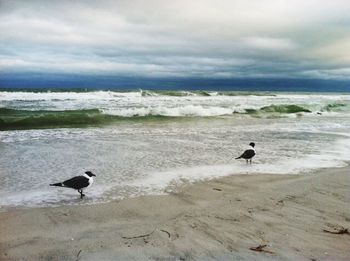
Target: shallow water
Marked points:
198	139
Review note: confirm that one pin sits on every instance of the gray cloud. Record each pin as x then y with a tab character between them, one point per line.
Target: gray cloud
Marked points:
261	38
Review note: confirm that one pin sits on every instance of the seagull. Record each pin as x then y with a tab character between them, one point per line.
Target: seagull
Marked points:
79	182
249	153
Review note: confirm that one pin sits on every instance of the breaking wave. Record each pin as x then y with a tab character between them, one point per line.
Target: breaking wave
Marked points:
202	93
284	108
33	119
25	119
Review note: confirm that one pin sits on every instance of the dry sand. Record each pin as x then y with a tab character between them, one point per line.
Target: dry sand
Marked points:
214	220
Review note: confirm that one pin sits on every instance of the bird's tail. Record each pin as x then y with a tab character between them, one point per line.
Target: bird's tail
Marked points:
57	184
238	157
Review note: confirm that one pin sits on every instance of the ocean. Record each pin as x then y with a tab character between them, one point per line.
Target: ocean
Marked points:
146	142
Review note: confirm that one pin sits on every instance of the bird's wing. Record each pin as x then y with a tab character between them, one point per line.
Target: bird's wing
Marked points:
76	182
248	154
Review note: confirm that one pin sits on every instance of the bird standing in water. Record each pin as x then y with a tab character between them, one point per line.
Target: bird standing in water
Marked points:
248	154
79	182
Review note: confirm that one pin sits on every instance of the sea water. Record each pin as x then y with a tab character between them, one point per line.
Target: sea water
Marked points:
150	142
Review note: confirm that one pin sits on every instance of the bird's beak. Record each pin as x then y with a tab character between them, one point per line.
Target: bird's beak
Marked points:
93	175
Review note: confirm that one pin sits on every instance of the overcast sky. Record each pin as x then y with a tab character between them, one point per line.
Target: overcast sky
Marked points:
204	38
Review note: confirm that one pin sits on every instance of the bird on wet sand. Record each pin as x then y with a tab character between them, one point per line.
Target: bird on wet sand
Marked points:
79	182
249	153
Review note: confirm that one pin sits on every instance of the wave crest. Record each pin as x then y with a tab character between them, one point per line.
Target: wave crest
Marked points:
25	119
30	119
284	108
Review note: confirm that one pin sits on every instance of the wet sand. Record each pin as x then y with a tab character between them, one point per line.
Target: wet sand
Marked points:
213	220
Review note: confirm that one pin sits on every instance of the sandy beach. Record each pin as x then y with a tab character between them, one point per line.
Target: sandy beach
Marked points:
215	220
174	130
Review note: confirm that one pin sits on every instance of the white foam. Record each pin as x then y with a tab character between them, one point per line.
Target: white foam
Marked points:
335	156
158	181
51	197
133	103
40	96
187	110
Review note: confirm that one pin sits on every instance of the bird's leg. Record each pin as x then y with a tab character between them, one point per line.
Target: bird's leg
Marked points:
246	161
250	161
81	193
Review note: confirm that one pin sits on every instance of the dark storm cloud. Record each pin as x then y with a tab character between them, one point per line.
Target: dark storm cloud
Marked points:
220	39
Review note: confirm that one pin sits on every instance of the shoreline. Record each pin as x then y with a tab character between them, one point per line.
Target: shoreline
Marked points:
219	219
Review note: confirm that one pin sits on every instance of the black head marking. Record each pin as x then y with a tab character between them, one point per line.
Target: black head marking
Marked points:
252	144
90	174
